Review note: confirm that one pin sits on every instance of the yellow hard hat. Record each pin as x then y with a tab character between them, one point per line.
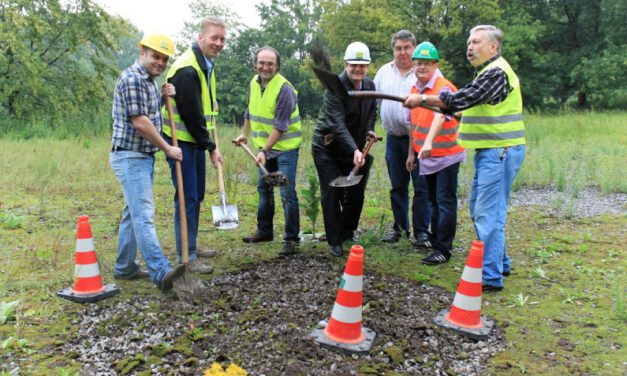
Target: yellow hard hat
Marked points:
158	42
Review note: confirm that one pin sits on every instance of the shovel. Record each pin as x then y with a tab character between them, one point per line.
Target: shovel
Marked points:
224	216
352	178
332	82
274	179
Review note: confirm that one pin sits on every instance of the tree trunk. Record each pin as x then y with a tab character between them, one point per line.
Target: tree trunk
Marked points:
581	99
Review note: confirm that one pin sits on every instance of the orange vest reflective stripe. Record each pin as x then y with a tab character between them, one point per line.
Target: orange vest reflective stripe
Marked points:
444	143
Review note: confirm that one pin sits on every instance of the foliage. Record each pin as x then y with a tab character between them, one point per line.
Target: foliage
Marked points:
57	57
7	311
311	199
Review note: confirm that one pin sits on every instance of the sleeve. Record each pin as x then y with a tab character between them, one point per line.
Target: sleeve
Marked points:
285	105
135	95
189	105
449	90
490	87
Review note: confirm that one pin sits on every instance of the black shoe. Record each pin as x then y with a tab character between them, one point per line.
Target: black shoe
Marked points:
166	282
436	258
491	288
506	273
290	247
139	274
257	238
422	241
336	250
391	238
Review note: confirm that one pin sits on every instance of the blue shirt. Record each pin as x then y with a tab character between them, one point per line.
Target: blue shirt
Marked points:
136	93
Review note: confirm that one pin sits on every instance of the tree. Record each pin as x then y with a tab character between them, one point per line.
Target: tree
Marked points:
57	57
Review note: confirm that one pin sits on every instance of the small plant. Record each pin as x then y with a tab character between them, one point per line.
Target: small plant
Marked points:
544	256
539	272
520	300
64	372
7	311
11	221
195	334
569	296
311	199
621	311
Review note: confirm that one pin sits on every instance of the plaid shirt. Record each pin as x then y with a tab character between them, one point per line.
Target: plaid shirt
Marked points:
491	87
136	93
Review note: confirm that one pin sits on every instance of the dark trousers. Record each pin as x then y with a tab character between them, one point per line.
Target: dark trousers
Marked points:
395	158
442	187
341	207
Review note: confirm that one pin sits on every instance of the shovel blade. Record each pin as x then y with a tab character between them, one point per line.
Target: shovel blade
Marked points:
346	181
225	219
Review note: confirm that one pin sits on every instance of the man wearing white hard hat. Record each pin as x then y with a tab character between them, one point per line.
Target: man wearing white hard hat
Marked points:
337	145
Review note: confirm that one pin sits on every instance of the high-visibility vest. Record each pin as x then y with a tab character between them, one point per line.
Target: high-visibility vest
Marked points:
188	59
261	115
499	125
445	143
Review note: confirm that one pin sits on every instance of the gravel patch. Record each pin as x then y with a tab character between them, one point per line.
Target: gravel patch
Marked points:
590	202
261	319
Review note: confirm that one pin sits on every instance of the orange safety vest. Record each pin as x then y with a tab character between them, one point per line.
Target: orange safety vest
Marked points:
444	143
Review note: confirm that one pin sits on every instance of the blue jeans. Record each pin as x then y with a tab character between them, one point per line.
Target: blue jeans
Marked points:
193	170
395	158
134	171
286	163
442	187
495	171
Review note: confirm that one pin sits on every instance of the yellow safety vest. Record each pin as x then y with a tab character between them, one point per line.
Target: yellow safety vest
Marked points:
261	115
493	126
188	59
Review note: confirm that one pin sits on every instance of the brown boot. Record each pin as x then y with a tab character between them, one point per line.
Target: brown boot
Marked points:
205	252
196	266
290	247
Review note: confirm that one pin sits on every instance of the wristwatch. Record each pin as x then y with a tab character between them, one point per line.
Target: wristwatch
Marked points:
423	100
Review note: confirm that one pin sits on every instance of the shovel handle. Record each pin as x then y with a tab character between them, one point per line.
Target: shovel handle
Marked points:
396	98
219	167
179	185
371	141
249	152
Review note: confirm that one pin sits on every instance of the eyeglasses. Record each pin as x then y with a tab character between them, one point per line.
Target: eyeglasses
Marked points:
419	63
269	64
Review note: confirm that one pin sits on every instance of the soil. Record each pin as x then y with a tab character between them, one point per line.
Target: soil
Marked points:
261	318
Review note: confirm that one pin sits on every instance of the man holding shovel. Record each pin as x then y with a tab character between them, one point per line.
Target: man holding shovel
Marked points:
136	137
193	75
274	119
492	125
337	144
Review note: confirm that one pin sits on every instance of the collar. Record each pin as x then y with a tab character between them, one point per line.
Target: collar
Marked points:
348	83
479	68
395	67
142	71
431	83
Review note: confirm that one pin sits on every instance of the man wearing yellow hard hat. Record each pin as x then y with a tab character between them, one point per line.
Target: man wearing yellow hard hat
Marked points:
136	138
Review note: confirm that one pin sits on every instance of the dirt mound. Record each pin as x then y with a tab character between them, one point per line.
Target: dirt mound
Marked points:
261	318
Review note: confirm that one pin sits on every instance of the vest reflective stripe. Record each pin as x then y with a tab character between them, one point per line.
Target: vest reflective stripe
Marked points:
188	59
261	115
499	125
445	142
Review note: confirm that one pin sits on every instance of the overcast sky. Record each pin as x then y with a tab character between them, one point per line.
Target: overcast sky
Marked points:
168	16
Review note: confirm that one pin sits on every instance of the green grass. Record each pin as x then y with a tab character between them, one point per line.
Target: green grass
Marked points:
568	283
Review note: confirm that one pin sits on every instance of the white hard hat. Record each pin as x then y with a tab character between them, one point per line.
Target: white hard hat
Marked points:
357	53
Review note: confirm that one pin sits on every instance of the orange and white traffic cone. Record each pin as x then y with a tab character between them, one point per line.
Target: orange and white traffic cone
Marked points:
464	316
344	331
88	285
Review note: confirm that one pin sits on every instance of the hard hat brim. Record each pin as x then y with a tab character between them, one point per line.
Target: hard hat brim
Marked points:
353	61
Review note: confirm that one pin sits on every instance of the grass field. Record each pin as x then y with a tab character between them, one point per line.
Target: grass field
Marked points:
563	310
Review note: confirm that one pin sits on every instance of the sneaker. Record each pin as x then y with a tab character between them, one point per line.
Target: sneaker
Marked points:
422	241
205	252
166	282
257	238
491	288
139	274
436	258
391	238
196	266
290	247
336	250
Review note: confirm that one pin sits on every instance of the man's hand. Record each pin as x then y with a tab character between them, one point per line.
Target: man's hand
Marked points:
216	157
261	158
425	151
410	164
412	100
371	134
174	153
168	90
240	140
358	158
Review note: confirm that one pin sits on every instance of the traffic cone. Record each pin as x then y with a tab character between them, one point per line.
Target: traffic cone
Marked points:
88	286
344	331
464	316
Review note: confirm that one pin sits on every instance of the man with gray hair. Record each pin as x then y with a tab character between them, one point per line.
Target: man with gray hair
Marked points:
397	77
491	124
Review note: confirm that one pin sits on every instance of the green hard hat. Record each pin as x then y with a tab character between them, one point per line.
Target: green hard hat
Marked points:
426	51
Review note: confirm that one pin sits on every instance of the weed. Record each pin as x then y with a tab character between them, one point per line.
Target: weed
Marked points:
311	199
539	272
621	311
11	221
519	300
419	277
7	311
570	297
544	256
64	372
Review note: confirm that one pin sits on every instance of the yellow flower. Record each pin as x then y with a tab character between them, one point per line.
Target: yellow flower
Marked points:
233	370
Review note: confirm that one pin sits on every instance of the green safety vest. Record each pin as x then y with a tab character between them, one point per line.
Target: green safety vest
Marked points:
493	126
261	115
188	59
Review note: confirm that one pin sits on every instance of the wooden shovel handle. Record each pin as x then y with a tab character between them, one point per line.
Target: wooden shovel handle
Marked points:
371	141
219	167
396	98
245	147
179	185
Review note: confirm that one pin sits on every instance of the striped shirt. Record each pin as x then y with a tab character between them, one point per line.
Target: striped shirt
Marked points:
136	93
491	87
